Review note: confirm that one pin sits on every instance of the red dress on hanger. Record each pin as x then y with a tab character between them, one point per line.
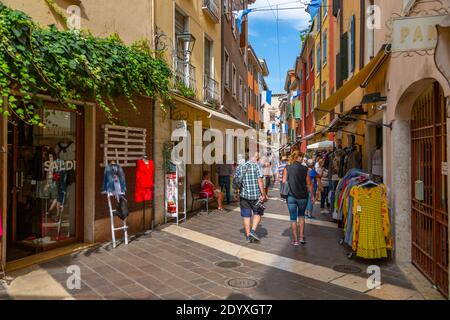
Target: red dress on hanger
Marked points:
144	181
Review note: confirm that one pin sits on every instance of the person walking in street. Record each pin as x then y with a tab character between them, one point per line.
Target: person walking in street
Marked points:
322	174
267	172
251	193
281	168
312	173
225	172
300	187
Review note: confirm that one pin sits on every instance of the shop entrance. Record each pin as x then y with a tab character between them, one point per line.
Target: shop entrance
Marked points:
429	220
44	180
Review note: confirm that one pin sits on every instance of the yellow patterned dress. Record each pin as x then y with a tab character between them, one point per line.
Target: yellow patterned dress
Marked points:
371	229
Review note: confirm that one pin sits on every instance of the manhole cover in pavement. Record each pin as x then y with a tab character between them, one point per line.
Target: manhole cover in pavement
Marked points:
344	268
228	264
242	283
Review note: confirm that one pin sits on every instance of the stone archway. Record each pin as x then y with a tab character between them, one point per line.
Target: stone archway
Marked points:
416	110
401	168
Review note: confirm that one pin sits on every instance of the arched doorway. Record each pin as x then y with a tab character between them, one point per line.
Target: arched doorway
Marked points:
429	207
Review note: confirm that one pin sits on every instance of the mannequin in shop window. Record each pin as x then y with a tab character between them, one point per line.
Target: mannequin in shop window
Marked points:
57	183
61	174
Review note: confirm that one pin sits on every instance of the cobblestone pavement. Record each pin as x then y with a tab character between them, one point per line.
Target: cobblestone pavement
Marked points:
181	263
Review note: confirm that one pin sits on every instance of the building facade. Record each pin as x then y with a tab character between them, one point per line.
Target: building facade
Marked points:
254	83
385	107
190	35
37	222
234	58
416	147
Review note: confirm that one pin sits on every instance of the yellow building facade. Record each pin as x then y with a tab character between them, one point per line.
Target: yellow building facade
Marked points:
201	70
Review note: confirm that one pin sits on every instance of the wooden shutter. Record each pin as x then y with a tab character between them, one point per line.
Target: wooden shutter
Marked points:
297	110
353	44
179	22
338	71
344	57
336	7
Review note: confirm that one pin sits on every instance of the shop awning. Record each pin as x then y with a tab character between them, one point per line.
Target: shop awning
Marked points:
322	145
286	146
216	115
309	137
351	85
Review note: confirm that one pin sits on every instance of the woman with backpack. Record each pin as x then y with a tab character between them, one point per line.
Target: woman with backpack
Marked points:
299	188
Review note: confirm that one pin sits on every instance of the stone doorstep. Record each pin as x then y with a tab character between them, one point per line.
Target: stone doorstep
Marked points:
418	280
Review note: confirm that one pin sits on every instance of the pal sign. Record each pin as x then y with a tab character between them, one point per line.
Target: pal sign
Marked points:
415	33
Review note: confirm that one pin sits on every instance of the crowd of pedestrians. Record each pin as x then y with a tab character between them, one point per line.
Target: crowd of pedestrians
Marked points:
305	179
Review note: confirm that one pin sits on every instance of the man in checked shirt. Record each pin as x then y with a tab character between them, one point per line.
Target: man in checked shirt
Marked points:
252	191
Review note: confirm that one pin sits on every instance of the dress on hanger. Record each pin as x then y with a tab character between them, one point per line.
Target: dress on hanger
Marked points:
144	181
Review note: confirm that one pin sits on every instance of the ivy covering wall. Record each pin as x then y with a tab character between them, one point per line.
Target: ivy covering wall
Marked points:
72	65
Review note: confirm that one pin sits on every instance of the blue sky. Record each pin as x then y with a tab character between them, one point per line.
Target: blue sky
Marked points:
263	37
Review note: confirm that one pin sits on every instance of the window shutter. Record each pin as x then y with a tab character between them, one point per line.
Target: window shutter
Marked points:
353	44
336	7
338	71
344	57
297	110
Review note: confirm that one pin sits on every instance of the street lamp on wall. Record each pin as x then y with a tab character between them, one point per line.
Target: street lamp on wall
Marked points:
188	41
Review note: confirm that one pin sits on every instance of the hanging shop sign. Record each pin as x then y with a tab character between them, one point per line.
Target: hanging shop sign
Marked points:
415	33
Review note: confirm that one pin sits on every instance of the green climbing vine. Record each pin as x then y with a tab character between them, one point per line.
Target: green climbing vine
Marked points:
184	90
70	65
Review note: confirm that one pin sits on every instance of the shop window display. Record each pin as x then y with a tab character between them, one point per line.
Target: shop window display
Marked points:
42	204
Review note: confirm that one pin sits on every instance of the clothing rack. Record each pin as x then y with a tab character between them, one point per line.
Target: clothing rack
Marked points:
113	211
377	252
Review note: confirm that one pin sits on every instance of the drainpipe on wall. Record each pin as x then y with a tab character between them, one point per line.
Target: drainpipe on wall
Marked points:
362	31
154	117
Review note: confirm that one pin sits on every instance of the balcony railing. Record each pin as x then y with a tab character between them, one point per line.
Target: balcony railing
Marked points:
210	90
212	9
184	75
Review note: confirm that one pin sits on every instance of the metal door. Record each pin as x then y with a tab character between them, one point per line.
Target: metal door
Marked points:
429	220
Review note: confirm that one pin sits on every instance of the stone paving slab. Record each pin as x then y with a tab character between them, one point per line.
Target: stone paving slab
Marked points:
322	249
121	279
167	266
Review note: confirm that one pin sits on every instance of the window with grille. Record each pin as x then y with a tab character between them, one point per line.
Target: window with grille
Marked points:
227	70
240	91
234	89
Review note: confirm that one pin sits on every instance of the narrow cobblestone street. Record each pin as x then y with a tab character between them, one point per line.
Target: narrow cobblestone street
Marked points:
181	263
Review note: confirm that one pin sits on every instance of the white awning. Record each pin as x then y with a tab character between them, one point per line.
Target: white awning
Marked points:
213	114
323	145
